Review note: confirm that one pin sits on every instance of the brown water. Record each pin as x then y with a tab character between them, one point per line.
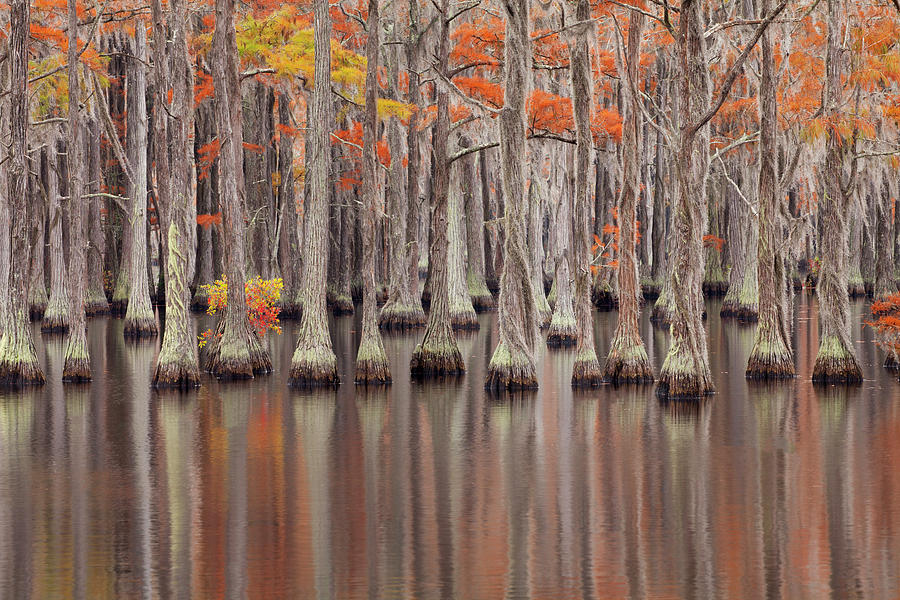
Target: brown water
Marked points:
440	491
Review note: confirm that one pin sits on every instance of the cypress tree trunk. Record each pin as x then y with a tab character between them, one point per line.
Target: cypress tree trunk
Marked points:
462	312
77	364
371	359
714	281
488	213
742	299
473	210
586	371
18	359
37	287
207	204
236	351
289	248
512	365
627	360
535	248
770	357
563	325
658	235
685	371
56	317
139	318
314	362
177	364
95	302
884	246
403	309
438	355
855	284
343	301
602	293
836	360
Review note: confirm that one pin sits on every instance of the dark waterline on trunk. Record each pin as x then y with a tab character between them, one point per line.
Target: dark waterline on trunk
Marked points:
252	489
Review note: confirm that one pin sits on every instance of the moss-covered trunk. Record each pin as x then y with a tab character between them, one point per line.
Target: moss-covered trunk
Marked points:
236	352
627	360
139	317
512	364
18	359
56	317
314	362
177	364
438	355
372	365
586	371
771	356
95	302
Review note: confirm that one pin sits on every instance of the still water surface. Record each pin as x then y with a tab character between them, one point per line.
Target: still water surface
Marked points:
437	490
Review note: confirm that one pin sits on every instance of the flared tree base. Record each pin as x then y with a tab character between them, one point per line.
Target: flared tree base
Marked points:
748	313
715	287
545	317
137	327
493	284
663	312
55	322
483	302
835	364
464	320
891	362
36	311
372	371
20	373
76	369
603	296
118	307
342	305
650	289
856	289
683	386
436	361
291	310
629	365
563	332
399	317
178	374
313	367
586	372
510	370
766	365
96	307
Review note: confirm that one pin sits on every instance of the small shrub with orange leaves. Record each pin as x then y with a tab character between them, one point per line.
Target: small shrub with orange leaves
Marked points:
263	296
886	323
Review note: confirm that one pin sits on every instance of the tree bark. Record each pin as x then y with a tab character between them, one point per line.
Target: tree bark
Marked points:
586	371
742	298
95	302
314	362
884	246
473	209
836	360
462	311
56	317
512	365
627	360
685	371
438	355
372	365
177	364
18	360
139	318
37	287
771	356
563	326
236	352
77	363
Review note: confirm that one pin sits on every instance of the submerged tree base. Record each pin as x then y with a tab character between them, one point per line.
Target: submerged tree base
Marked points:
313	367
683	386
510	370
856	288
118	307
890	362
373	371
715	287
400	317
765	365
237	358
630	365
834	364
36	311
603	296
55	321
663	311
20	373
650	289
342	305
586	371
436	361
19	365
483	302
77	369
464	319
176	374
563	331
746	312
143	326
